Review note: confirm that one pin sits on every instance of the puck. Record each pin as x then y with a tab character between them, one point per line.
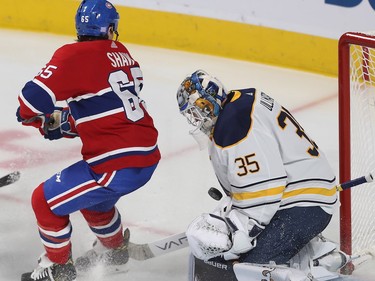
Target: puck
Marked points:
215	193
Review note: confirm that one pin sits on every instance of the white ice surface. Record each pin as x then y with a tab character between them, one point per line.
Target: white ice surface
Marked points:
178	191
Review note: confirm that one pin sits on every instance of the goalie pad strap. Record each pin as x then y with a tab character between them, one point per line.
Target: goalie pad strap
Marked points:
256	230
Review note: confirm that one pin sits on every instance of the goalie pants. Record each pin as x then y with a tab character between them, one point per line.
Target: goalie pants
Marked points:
78	188
287	233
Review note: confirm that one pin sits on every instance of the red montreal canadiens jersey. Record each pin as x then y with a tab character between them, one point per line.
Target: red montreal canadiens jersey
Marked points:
101	83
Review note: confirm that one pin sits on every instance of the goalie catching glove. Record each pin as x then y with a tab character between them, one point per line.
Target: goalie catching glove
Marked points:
211	235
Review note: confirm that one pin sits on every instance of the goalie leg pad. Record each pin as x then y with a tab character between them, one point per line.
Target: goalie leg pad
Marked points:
319	252
254	272
212	270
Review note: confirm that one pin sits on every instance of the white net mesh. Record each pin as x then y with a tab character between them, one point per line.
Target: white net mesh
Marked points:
362	104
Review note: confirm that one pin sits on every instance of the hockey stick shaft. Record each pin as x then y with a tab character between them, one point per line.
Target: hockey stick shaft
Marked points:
355	182
161	247
9	178
217	195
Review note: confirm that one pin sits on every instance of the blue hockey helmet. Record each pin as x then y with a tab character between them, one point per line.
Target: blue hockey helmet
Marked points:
94	17
200	97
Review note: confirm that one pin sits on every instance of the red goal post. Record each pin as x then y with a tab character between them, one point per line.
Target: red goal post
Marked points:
356	138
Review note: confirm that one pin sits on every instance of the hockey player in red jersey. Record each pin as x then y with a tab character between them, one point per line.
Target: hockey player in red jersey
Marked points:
100	83
281	190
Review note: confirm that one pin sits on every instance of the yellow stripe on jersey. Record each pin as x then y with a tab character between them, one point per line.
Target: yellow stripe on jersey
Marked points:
258	194
236	95
310	190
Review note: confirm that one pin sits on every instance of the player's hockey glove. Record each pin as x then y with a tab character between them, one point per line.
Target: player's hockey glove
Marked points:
60	125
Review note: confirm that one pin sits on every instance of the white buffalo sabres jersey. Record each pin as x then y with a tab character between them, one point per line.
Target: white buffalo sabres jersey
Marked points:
264	159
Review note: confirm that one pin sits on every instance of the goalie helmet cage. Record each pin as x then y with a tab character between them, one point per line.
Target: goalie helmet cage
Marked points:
356	139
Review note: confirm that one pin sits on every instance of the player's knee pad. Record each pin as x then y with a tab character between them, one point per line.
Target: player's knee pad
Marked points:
38	201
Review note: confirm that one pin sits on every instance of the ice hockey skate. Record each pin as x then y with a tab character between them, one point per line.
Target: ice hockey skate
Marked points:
49	271
112	259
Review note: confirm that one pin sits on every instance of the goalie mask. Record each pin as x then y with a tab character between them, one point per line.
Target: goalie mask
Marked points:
199	98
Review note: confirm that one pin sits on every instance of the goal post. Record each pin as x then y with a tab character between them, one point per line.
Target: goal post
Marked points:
356	78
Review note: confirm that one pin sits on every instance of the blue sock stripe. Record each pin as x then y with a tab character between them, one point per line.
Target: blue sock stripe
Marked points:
53	240
107	230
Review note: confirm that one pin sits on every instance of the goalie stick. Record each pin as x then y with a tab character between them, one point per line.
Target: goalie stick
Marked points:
10	178
179	241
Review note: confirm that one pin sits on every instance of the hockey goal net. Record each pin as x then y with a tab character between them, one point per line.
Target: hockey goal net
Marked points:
357	139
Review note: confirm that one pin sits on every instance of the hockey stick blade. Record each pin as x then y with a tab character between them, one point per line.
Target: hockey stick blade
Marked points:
161	247
10	178
362	258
